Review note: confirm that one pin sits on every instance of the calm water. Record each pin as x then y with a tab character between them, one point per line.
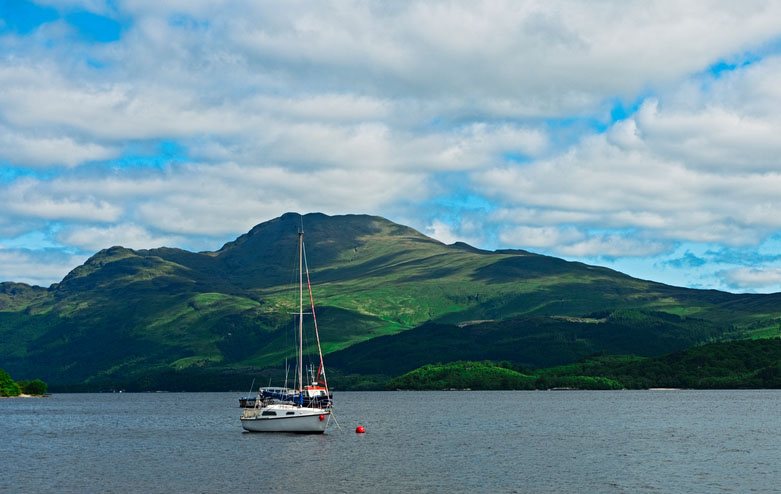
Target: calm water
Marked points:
536	442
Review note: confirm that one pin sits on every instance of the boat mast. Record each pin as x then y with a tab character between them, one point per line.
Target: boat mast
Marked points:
321	369
300	315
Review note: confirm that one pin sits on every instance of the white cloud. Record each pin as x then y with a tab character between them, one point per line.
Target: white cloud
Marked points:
442	232
613	246
540	217
545	237
714	137
376	106
39	96
11	226
327	107
743	278
569	241
367	76
36	267
31	198
200	199
29	149
702	167
127	235
464	230
599	184
322	130
212	200
577	53
378	146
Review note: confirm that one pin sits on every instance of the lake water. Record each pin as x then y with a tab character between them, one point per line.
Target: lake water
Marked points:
459	441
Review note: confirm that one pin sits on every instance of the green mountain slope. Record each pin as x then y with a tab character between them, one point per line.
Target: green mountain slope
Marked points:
379	288
533	341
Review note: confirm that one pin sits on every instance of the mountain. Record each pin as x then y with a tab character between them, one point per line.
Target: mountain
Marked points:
387	298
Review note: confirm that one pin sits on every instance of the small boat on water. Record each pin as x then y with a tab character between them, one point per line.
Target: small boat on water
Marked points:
285	417
250	401
315	394
247	402
305	408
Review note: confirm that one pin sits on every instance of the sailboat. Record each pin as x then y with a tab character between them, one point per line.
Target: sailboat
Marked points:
305	408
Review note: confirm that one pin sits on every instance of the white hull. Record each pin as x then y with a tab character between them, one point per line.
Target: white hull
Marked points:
286	418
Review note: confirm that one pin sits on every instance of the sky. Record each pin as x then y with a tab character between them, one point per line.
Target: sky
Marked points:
643	136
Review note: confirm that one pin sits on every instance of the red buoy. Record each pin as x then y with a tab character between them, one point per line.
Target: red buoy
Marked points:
322	417
360	429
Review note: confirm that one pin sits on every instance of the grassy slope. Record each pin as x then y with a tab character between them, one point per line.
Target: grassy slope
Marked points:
126	313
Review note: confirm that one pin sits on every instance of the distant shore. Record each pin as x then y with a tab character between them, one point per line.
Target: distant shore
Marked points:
27	396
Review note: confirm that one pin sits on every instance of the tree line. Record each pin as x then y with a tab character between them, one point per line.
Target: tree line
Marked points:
9	387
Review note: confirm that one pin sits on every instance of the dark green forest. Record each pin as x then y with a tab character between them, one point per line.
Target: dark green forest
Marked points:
746	364
9	387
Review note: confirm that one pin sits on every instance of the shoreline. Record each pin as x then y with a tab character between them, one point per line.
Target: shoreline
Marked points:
26	396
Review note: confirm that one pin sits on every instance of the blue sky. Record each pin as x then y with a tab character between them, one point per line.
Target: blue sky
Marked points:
640	136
